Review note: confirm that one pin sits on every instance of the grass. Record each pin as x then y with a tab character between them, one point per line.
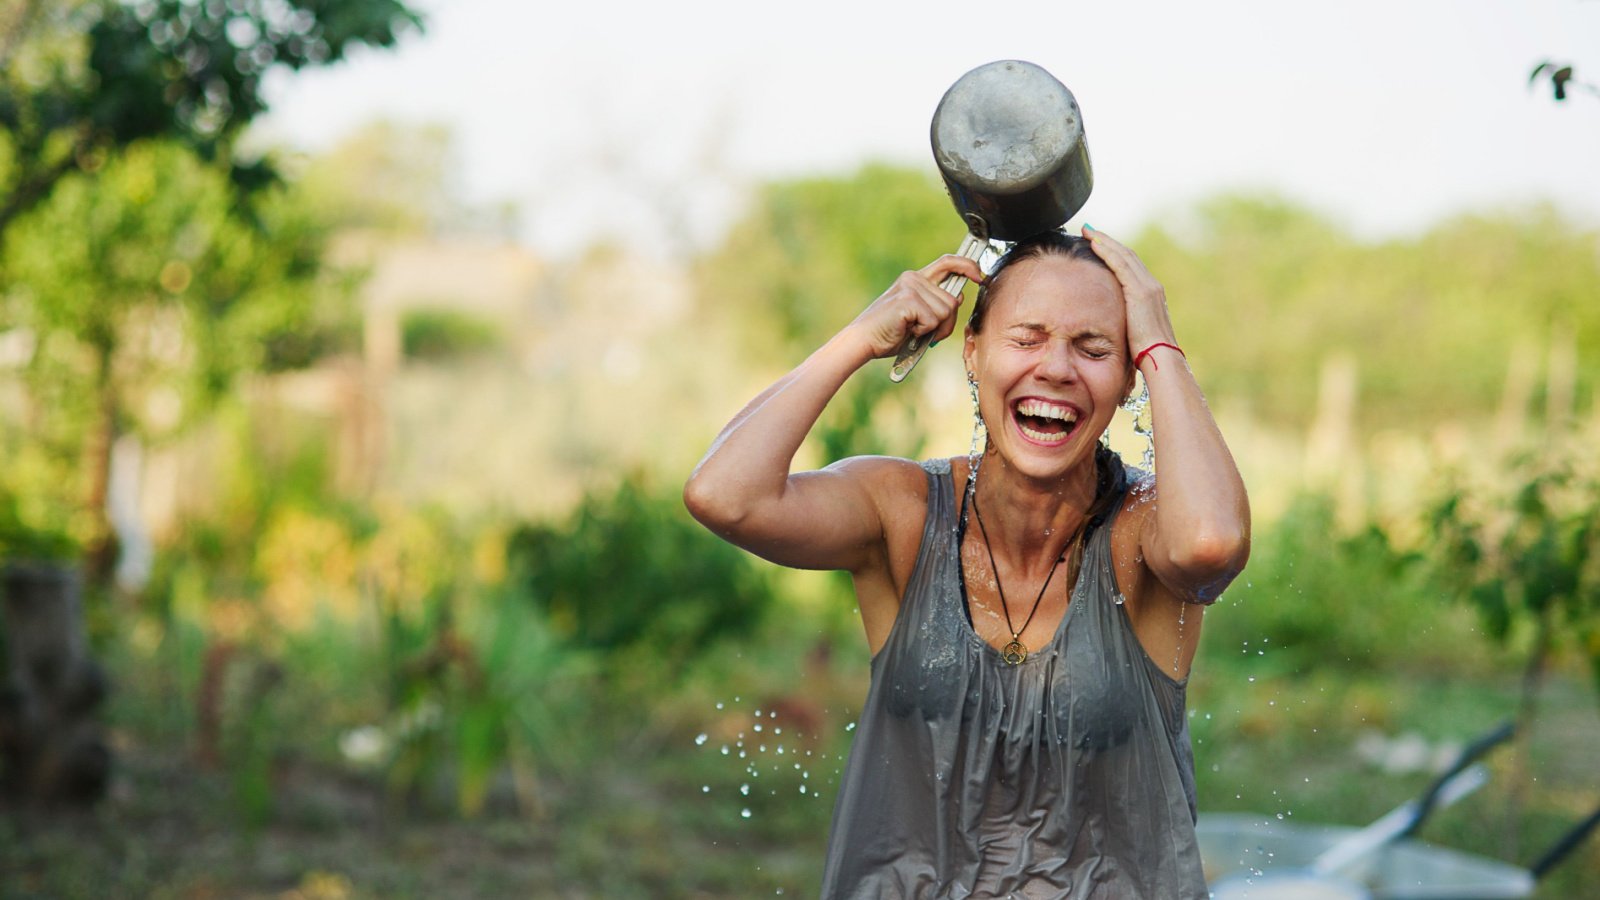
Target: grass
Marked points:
655	812
667	781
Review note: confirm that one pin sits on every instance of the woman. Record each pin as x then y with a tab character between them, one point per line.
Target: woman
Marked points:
1024	735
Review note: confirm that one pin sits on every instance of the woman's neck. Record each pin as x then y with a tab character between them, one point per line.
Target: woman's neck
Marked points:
1032	521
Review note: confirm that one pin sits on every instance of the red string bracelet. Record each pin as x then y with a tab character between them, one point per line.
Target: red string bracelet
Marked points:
1146	352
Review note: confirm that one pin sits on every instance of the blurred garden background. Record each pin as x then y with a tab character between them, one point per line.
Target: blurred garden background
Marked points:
371	503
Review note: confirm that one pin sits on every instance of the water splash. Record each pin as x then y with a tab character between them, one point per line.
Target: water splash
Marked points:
980	437
1138	404
1177	655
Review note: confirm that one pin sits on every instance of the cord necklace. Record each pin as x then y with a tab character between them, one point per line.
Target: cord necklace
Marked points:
1015	651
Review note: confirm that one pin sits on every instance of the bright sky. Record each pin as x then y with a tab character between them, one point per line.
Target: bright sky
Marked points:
596	118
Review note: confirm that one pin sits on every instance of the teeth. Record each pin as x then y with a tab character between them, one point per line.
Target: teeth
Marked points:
1045	410
1042	437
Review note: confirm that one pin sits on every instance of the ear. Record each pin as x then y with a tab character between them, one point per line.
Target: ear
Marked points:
1133	381
969	351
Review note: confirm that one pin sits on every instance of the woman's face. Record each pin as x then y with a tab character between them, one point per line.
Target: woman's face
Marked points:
1051	363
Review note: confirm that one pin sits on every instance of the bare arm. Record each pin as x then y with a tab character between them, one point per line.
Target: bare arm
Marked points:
743	488
1195	535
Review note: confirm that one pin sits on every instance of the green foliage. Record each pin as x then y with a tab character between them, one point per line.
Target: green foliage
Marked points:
495	694
147	294
813	252
440	334
1311	599
146	267
1261	285
21	538
629	571
1527	556
91	77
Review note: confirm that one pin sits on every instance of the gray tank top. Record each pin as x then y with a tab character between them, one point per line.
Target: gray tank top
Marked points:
1069	775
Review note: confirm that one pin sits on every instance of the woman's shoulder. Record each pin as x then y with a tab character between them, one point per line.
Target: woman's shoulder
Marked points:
896	483
893	472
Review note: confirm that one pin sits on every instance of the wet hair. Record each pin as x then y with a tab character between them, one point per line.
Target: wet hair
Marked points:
1047	243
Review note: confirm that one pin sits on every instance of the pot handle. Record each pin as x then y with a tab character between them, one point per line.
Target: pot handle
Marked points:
917	344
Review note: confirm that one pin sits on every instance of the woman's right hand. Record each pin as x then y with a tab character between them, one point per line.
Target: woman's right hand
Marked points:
914	304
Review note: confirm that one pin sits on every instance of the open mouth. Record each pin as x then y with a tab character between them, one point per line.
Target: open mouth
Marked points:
1043	421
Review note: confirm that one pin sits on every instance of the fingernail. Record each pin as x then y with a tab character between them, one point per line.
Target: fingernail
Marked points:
1088	227
934	344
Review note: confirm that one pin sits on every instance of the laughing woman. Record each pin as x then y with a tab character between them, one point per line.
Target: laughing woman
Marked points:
1024	734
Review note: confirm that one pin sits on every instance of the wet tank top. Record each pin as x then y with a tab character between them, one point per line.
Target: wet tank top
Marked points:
1069	775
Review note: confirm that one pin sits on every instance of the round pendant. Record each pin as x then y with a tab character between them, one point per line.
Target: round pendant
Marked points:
1014	653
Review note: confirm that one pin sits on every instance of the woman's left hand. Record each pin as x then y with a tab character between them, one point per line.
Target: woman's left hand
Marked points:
1145	298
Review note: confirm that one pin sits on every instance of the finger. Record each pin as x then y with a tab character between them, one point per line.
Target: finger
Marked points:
953	264
942	301
918	303
1123	261
1107	247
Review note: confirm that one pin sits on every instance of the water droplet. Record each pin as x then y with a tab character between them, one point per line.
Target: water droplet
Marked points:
850	727
758	727
700	740
705	788
744	789
744	813
719	704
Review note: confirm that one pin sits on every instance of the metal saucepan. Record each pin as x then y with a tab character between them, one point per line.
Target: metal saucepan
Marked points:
1008	140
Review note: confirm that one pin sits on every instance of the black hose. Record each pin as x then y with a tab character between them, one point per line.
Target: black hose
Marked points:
1566	845
1469	755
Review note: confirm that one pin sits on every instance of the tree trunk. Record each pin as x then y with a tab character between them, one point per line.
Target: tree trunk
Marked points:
1527	712
100	554
51	746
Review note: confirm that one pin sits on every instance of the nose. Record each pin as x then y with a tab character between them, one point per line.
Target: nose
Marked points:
1059	362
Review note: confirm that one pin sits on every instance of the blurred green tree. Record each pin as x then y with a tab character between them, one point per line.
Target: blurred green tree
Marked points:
146	294
1525	553
81	79
1262	289
630	577
810	255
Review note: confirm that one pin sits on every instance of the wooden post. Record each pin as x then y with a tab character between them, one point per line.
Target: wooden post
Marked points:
51	746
